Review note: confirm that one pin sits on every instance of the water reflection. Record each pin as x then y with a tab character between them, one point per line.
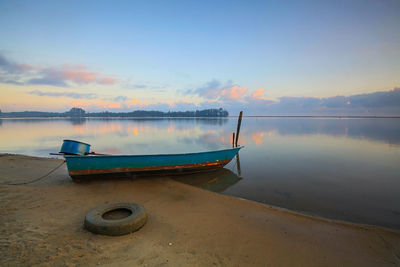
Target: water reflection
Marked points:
216	181
382	129
239	170
77	121
219	130
338	168
181	135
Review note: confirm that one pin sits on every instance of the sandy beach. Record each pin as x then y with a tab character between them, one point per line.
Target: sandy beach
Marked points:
41	223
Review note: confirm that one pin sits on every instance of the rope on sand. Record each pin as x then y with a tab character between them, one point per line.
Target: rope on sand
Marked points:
37	179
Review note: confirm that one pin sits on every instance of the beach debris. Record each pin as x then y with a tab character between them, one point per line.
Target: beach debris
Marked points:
116	219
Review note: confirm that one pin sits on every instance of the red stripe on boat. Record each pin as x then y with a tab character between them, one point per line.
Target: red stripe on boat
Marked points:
154	168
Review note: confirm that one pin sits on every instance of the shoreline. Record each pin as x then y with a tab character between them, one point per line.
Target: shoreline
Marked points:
43	222
320	218
281	209
209	117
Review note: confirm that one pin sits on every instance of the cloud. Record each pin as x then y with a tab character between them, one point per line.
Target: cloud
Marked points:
208	90
377	103
108	80
335	102
4	63
12	67
215	90
120	98
158	88
253	103
47	81
235	98
96	105
258	93
122	103
11	82
63	94
62	75
78	76
137	86
299	102
233	93
377	99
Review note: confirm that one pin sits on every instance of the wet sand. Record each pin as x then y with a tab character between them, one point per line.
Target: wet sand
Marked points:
42	224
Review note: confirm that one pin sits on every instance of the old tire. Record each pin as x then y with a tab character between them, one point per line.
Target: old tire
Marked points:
96	223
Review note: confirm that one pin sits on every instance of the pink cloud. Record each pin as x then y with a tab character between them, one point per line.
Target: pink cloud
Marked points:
76	67
25	67
233	93
108	80
61	75
79	76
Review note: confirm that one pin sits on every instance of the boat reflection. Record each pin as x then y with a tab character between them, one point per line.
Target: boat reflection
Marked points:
216	181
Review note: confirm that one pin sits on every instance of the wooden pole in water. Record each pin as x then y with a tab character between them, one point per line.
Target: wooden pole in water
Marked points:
238	127
233	139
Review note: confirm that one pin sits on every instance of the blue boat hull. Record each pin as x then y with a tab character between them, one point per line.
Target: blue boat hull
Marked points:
80	167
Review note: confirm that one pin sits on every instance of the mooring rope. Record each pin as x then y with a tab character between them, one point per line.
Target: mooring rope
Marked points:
37	179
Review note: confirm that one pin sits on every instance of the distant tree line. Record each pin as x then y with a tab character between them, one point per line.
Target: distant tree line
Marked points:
79	112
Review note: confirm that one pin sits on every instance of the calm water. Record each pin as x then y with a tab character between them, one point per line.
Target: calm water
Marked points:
347	169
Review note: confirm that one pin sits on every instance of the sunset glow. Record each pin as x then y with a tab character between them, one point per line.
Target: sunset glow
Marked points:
278	59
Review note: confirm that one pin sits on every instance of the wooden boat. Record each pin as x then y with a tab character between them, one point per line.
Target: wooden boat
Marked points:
83	164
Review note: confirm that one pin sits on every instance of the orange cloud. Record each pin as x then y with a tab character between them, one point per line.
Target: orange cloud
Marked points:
171	104
135	102
79	76
187	101
79	103
258	93
233	93
95	103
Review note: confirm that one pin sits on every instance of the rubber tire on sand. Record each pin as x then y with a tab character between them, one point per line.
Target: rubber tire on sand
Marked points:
94	221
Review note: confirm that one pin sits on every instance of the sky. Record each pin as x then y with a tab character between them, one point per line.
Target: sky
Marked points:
262	57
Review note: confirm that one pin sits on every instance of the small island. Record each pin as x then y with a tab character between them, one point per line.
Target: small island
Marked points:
81	113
